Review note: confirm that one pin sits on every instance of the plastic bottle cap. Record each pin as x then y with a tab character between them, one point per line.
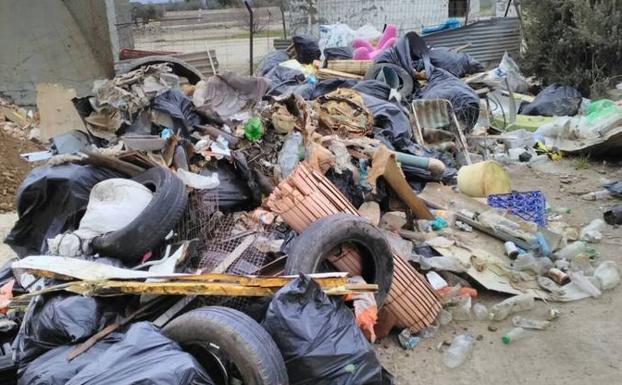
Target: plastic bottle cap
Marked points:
506	339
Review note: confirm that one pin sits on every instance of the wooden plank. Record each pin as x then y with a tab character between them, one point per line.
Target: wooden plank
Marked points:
325	73
356	67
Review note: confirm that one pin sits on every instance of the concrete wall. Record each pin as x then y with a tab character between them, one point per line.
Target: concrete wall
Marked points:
408	15
53	41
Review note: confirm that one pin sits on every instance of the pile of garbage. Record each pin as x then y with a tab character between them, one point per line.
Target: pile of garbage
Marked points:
267	229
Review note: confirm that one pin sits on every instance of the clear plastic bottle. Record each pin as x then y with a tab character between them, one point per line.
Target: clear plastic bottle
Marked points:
528	323
289	156
502	310
480	312
571	250
597	195
592	232
462	311
514	335
459	350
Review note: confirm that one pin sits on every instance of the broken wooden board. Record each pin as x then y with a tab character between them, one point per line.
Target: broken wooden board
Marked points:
246	287
56	110
385	164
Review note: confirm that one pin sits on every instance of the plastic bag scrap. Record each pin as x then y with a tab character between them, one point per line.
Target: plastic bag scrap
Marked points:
319	339
554	100
365	310
465	102
408	51
457	63
57	320
283	79
52	200
272	60
307	49
233	192
507	69
180	108
141	356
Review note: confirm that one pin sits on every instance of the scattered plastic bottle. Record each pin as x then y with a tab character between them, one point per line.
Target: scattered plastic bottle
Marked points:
559	210
597	195
528	323
444	317
462	311
480	312
571	250
592	232
289	156
514	335
253	129
607	275
584	283
459	350
512	305
407	340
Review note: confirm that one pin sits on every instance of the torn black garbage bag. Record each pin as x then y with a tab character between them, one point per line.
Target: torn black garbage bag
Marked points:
51	200
465	102
457	63
143	357
307	49
55	320
319	339
407	51
337	53
554	100
180	108
53	367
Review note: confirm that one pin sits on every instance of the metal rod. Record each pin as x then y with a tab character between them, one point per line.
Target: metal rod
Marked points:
283	18
252	32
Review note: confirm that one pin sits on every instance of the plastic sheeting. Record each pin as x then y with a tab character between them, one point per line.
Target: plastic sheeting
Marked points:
554	100
457	63
272	60
465	102
52	200
180	108
319	339
143	356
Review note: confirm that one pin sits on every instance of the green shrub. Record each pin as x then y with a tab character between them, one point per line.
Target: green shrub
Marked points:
575	42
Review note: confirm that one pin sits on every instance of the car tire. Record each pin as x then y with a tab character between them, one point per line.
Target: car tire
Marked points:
246	343
146	232
323	236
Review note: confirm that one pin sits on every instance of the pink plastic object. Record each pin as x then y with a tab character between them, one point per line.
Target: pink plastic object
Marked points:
364	50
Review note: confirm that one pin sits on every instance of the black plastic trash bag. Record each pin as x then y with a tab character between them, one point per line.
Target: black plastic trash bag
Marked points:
56	320
409	51
181	109
465	102
615	188
283	79
307	49
53	367
457	63
554	100
272	60
319	339
233	191
143	357
51	200
337	53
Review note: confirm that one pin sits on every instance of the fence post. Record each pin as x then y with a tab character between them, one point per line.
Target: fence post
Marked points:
252	30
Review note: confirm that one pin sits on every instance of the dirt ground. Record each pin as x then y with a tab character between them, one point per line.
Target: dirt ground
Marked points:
14	168
583	346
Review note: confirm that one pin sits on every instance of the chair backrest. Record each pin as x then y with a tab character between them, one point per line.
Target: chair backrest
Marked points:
433	113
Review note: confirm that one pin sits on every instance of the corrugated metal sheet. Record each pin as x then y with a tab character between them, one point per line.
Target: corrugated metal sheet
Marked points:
489	39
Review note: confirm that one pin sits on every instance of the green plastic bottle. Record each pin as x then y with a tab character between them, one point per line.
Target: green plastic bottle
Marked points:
253	129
